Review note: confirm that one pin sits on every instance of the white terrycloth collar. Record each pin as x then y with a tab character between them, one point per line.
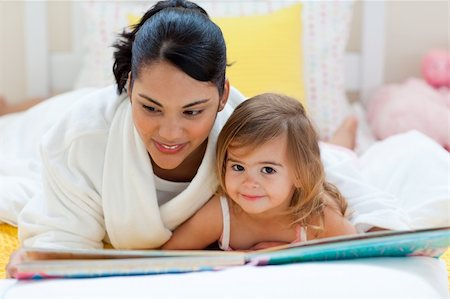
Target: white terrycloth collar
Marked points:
129	188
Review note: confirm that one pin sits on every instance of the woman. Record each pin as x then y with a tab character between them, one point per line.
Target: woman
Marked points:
128	169
148	150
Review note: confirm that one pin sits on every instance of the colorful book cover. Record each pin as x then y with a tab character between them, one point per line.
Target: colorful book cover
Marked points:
48	263
426	242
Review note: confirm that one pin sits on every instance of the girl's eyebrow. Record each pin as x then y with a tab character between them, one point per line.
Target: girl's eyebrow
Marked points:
271	163
185	106
233	160
262	162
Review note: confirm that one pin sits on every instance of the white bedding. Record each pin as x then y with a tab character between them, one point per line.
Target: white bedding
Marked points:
412	277
417	277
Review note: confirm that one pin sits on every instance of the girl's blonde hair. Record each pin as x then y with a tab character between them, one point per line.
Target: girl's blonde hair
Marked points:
267	116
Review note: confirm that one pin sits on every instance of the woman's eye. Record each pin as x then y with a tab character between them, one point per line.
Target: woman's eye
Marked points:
237	167
150	109
193	112
268	170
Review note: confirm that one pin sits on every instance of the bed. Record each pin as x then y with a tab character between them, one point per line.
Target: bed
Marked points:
87	65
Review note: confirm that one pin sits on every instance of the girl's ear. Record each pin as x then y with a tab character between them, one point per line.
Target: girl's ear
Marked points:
226	93
129	85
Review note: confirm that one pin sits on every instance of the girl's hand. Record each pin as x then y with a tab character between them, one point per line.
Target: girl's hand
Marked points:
267	244
376	229
15	258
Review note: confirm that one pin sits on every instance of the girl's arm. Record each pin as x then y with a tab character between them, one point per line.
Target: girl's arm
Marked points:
335	224
199	231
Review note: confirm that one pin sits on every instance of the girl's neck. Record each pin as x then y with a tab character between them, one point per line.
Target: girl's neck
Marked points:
187	170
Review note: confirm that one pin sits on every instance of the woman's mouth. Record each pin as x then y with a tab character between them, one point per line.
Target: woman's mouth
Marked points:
169	148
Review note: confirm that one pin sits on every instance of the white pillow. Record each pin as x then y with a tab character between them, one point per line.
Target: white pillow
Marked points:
326	29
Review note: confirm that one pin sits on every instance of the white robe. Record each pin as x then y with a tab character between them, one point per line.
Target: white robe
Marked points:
98	183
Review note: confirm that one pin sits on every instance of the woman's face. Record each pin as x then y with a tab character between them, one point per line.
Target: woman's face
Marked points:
173	113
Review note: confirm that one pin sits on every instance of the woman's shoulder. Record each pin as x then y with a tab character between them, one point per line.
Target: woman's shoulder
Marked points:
96	108
89	117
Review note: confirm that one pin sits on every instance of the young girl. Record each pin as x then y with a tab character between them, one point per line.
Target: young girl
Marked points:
272	183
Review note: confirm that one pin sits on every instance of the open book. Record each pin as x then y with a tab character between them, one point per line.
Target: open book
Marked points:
51	263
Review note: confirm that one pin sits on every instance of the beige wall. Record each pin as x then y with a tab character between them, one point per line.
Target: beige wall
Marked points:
12	65
59	36
412	27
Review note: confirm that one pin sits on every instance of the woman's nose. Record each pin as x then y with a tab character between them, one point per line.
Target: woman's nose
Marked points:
171	130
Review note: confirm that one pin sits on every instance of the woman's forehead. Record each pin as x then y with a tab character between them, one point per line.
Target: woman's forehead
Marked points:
168	85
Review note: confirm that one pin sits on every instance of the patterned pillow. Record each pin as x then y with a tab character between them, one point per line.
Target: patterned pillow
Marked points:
324	29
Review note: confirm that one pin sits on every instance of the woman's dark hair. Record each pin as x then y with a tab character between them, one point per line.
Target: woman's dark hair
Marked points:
176	31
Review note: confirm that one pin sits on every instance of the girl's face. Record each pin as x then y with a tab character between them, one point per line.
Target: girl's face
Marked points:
259	179
174	114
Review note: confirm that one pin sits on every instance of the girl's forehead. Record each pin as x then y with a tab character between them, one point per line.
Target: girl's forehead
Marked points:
244	148
239	149
255	139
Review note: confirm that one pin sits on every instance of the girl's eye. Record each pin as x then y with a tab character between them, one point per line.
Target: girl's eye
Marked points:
268	170
237	167
192	112
150	109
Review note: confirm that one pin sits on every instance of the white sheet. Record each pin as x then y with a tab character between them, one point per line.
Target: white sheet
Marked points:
412	277
419	176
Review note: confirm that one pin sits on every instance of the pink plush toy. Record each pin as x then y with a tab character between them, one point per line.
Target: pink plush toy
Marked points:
436	68
416	104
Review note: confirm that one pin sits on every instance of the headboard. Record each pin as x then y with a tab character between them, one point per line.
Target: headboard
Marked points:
363	70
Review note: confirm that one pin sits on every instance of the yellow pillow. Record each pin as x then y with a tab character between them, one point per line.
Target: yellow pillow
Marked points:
265	51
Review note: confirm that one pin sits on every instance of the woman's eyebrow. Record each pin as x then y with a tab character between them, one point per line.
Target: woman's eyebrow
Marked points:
150	99
196	103
160	105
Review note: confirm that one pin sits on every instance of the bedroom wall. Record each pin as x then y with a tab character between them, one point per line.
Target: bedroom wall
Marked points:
12	65
412	27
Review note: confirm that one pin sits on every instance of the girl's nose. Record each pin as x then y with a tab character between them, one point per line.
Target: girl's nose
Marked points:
251	182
